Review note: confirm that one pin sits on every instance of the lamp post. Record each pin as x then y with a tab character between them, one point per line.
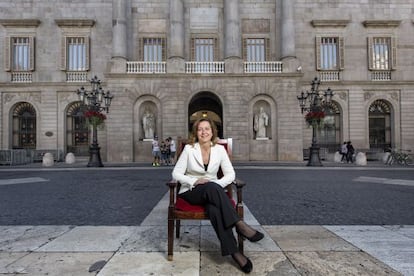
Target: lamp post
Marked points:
93	101
314	102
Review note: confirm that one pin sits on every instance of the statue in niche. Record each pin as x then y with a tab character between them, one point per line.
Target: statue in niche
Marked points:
148	124
261	121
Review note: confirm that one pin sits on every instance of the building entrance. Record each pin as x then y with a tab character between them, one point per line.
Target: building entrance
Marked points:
206	105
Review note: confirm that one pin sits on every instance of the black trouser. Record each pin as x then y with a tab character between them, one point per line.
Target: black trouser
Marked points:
220	211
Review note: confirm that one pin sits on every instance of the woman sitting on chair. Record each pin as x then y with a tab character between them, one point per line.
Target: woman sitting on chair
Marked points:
196	170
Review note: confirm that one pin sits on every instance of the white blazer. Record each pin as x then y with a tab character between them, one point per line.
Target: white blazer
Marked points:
190	167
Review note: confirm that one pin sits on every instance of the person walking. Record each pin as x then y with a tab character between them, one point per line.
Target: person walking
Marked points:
344	151
350	152
196	170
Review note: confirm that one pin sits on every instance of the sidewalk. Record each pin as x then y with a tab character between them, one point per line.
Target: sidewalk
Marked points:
141	250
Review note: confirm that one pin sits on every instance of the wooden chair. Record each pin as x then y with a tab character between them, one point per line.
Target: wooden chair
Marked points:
179	209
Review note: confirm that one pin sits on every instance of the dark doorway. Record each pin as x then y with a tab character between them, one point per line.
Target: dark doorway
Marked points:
206	104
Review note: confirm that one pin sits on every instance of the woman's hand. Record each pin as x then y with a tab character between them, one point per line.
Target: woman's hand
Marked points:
200	181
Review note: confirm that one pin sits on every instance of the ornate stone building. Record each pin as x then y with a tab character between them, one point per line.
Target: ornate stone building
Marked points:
179	60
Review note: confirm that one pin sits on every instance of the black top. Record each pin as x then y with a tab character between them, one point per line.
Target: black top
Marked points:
205	167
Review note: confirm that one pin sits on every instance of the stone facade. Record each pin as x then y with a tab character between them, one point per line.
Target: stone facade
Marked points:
115	27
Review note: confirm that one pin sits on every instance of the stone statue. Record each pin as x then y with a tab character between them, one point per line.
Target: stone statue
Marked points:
148	124
261	121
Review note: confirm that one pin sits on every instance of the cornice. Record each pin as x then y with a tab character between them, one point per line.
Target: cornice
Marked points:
337	23
381	23
20	22
75	22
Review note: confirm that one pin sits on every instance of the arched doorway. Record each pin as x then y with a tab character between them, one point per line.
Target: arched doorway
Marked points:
77	131
379	125
206	104
329	135
24	126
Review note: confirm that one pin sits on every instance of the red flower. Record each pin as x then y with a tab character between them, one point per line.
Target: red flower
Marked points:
94	118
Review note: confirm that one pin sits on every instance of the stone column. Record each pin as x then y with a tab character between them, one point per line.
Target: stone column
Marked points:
176	61
232	37
288	47
119	36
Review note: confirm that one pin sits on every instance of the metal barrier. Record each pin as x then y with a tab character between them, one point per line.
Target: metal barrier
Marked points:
16	157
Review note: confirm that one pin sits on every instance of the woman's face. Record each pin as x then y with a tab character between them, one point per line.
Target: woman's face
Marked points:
204	132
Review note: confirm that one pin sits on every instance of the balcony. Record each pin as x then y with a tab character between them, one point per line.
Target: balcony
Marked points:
263	67
146	67
76	76
329	75
21	77
205	67
380	75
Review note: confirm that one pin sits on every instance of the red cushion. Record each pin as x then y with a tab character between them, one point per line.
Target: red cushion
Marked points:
183	205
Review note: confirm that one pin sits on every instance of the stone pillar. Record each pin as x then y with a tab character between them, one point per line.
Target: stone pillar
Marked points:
288	47
232	37
176	61
119	36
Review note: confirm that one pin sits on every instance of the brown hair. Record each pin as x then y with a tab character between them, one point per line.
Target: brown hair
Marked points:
193	136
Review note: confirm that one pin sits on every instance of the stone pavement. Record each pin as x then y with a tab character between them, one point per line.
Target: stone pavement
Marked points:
141	250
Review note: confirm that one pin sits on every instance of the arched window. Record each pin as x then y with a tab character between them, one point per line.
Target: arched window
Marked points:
330	131
77	131
379	125
24	126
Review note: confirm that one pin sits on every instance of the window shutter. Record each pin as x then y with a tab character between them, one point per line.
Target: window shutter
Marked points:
63	53
7	53
245	49
32	53
192	50
393	53
370	53
341	49
267	49
88	53
216	52
164	49
318	40
141	49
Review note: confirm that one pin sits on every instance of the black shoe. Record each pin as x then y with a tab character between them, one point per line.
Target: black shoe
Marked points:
255	238
248	266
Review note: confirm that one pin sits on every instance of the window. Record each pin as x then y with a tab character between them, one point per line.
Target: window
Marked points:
255	49
153	49
24	126
20	53
75	54
204	49
382	53
329	53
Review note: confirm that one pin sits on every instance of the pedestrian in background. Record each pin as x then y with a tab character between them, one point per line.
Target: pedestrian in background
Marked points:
350	152
344	152
173	149
156	152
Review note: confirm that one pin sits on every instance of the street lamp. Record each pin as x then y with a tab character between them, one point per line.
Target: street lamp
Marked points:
314	103
93	101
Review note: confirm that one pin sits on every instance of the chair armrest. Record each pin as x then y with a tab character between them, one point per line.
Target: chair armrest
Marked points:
172	184
239	186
